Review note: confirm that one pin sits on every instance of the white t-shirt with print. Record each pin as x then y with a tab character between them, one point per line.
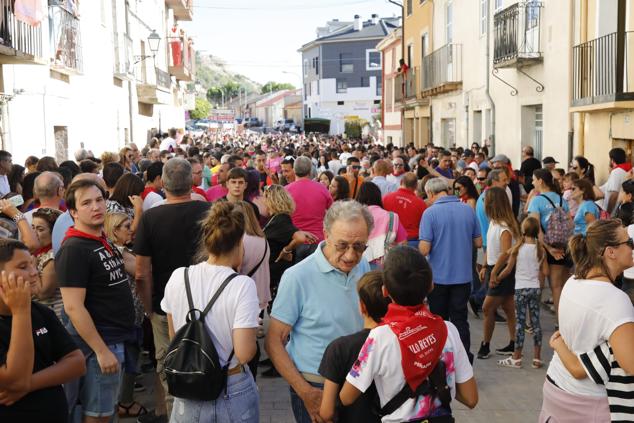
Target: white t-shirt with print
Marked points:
589	311
380	361
236	308
615	180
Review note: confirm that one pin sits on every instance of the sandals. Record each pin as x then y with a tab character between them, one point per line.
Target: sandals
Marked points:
126	413
537	363
511	362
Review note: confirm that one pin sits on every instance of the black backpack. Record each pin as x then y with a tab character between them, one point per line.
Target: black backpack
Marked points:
192	367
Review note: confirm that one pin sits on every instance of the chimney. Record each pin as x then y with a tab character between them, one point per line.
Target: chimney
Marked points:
358	24
375	18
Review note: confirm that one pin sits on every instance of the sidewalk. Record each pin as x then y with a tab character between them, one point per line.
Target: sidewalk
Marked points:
506	395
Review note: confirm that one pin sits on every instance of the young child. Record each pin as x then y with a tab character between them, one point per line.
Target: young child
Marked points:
399	355
567	185
528	258
37	355
341	354
601	366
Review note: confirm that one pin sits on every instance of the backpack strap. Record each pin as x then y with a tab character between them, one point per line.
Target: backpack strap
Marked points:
217	294
188	290
551	201
257	266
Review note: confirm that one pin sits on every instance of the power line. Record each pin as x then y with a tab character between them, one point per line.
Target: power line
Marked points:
284	8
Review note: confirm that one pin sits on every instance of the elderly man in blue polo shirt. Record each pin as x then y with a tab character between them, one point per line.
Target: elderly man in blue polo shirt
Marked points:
448	234
316	303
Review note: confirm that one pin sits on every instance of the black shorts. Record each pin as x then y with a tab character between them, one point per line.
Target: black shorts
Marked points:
566	261
505	287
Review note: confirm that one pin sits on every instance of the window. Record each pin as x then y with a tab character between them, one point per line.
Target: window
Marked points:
365	81
345	63
449	22
410	48
377	101
305	91
305	67
317	65
498	4
538	136
372	60
484	16
424	42
341	103
342	86
448	132
379	85
409	7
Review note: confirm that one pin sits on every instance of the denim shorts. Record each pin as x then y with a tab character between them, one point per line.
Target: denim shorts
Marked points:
240	403
97	393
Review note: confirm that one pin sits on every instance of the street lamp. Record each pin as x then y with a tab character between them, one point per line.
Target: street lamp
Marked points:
153	40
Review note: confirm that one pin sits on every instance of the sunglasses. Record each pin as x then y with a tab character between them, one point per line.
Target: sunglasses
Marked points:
629	242
358	248
356	167
481	178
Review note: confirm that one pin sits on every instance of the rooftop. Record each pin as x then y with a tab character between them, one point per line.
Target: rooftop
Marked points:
357	29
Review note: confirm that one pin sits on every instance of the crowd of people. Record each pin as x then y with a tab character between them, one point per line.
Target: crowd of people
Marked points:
365	258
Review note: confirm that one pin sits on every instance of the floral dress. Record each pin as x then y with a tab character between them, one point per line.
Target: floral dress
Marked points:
54	302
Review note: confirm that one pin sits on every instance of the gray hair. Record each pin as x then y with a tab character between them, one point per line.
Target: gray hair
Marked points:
225	158
81	154
177	177
436	185
494	175
303	166
347	211
47	185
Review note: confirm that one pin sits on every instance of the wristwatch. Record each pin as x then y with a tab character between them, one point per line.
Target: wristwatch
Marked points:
18	217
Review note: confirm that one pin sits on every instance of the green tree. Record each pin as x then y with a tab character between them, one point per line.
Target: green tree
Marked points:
202	109
273	86
214	95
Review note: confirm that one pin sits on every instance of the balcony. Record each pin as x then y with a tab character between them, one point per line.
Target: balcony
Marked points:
398	88
182	58
410	83
183	9
156	90
66	56
442	71
20	43
517	35
123	65
602	74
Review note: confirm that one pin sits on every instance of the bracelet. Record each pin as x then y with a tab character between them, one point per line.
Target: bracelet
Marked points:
18	217
285	251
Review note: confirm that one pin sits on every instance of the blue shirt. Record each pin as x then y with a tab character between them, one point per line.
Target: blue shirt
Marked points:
63	222
483	219
450	226
580	218
384	185
321	304
447	173
542	206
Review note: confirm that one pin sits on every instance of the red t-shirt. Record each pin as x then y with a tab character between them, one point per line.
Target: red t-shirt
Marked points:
199	191
409	208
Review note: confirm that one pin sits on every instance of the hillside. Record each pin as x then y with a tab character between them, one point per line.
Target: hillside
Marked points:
211	71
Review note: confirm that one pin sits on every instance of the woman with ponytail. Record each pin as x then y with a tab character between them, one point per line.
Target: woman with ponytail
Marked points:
592	310
231	322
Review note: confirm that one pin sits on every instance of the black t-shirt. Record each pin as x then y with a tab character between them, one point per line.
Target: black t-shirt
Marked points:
86	263
528	167
337	361
279	233
169	234
51	342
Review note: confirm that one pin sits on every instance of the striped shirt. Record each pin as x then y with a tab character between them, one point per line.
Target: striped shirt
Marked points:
602	368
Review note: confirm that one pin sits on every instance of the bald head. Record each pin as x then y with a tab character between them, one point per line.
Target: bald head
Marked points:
92	177
409	181
48	185
382	167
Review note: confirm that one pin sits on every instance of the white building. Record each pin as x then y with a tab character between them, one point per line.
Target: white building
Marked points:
91	79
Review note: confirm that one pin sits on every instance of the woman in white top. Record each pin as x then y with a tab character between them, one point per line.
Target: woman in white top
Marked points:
502	233
232	321
591	311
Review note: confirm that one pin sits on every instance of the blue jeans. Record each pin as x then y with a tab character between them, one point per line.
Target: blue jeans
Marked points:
299	410
240	403
450	302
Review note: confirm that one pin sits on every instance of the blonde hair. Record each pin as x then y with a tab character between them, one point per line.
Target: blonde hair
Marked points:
108	157
498	209
278	200
530	229
251	224
112	222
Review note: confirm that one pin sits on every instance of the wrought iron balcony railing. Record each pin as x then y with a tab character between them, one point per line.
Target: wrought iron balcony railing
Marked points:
19	41
517	34
66	54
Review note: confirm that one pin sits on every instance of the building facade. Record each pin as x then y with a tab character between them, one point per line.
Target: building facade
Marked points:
342	73
391	48
101	77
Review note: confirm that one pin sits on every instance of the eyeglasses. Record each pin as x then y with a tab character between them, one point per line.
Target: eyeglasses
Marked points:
629	242
398	165
480	178
358	247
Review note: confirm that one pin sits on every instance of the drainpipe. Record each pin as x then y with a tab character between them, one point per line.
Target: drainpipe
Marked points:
130	101
571	121
583	27
488	82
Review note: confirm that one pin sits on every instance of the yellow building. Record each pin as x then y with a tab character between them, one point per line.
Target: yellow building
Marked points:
417	41
603	80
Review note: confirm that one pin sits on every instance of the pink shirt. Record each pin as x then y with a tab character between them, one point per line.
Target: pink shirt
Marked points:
312	199
216	192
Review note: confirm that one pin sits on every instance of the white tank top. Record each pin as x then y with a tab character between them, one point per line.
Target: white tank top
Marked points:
527	267
494	244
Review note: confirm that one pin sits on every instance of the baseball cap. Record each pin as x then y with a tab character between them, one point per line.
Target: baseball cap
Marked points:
549	160
501	158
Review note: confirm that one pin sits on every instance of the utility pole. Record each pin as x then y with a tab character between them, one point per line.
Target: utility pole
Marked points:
127	31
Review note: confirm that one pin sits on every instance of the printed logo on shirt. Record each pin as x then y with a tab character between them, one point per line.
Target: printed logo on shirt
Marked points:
114	265
41	331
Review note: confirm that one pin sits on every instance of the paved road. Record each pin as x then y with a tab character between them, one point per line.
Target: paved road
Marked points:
506	395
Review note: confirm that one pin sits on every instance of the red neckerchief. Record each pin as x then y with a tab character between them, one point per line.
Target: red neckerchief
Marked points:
43	250
146	191
421	336
398	173
625	166
76	233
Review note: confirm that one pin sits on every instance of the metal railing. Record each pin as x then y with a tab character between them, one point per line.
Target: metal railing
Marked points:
123	54
19	35
399	88
181	53
595	68
65	39
163	79
410	83
442	66
517	32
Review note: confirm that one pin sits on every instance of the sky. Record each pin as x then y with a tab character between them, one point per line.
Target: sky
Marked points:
260	38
